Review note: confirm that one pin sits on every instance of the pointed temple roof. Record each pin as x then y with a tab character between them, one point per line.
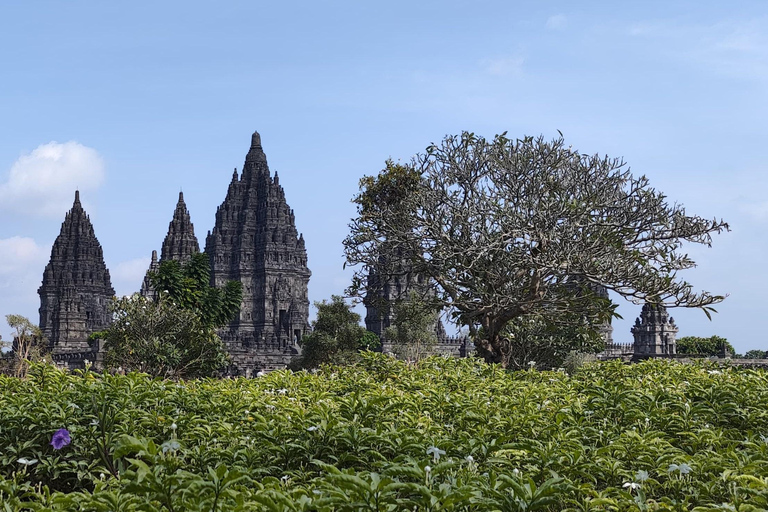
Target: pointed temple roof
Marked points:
76	284
255	241
180	243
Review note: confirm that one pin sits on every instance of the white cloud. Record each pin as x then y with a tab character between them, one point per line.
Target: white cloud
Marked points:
20	254
128	275
22	262
557	22
47	177
503	66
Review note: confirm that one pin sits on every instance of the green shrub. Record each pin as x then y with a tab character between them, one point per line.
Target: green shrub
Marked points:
442	434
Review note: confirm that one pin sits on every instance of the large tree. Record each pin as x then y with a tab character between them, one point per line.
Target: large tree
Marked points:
510	228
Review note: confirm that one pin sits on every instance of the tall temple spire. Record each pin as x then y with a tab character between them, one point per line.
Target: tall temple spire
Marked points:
76	286
180	243
255	241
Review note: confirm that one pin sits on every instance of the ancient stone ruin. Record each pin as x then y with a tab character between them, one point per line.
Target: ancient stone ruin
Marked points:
76	286
254	241
654	332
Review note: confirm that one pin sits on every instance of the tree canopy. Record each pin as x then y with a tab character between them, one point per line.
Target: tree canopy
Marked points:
712	346
173	336
504	228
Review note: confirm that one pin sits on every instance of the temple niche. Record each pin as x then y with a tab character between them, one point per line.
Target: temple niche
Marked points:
255	241
76	287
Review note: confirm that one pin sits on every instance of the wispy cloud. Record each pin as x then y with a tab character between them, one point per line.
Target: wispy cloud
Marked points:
734	48
557	22
503	66
128	275
42	182
22	261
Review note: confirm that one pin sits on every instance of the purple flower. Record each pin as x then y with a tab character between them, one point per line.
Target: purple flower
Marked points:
60	439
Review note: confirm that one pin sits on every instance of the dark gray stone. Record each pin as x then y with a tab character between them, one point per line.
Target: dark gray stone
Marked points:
76	286
255	241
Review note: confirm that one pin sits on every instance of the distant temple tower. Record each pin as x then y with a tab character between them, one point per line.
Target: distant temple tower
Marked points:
76	286
255	241
654	332
179	244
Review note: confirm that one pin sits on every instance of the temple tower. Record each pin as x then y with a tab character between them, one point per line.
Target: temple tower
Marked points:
179	244
146	285
654	332
76	286
255	241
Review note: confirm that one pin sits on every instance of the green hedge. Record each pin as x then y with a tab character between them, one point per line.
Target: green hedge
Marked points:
382	435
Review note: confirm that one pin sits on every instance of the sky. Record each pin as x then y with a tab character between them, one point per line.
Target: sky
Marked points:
130	103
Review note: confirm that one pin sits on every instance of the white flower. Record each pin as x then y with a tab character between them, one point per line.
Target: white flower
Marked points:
641	476
714	372
312	428
683	468
173	426
632	486
531	364
469	459
25	461
427	469
171	445
102	476
435	452
282	391
516	472
260	374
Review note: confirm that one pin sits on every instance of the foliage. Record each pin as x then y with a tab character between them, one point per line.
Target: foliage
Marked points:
336	336
161	338
188	285
440	435
503	227
712	346
27	345
756	354
534	341
412	332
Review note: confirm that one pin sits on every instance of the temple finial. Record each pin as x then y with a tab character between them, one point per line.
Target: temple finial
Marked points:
255	140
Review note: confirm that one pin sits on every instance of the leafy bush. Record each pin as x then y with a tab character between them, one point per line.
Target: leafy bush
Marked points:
162	339
448	435
336	336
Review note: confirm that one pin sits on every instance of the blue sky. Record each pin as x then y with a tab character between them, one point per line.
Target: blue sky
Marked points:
133	102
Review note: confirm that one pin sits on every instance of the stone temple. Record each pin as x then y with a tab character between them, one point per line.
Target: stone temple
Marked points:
76	286
254	241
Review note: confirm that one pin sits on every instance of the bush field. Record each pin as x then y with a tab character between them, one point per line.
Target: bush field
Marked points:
382	435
